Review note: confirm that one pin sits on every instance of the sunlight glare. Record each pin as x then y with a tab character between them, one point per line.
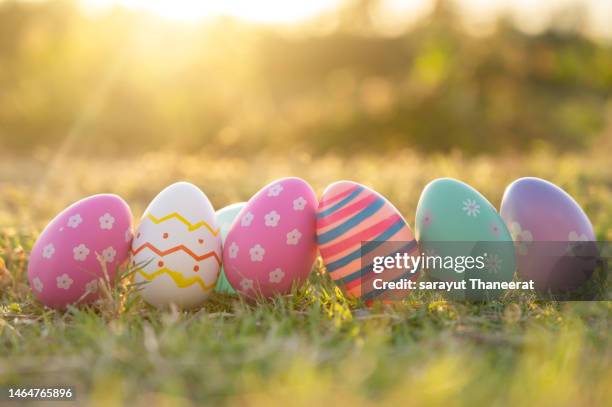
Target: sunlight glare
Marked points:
268	11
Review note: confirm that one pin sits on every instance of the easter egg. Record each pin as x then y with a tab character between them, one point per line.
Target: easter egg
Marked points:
177	248
354	225
225	218
271	245
546	224
463	238
86	242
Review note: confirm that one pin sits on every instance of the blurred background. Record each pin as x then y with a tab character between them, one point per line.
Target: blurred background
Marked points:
322	76
127	96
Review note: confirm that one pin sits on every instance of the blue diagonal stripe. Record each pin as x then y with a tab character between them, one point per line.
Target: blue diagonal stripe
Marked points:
352	222
340	204
347	279
366	248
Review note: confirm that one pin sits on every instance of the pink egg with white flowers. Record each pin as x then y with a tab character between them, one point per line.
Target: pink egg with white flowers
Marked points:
272	243
87	241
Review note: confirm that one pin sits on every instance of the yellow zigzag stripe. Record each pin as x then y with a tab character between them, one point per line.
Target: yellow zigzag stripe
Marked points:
190	226
180	280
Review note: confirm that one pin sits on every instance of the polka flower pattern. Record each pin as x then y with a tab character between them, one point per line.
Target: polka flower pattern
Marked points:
247	219
493	263
293	237
71	246
38	285
275	190
272	219
80	252
471	208
257	253
276	275
495	229
575	242
74	221
233	250
427	218
464	223
106	221
246	284
521	238
108	254
48	251
283	216
64	281
575	237
299	204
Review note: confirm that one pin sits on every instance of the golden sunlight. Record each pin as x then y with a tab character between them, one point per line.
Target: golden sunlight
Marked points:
269	11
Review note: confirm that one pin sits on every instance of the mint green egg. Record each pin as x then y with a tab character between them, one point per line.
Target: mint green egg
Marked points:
225	217
455	220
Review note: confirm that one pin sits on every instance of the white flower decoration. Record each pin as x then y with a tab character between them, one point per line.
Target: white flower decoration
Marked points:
48	251
575	237
92	286
272	219
106	221
74	221
247	219
471	208
64	281
80	252
293	237
276	275
575	241
128	235
109	254
38	285
275	190
246	284
493	263
521	237
233	250
299	204
257	253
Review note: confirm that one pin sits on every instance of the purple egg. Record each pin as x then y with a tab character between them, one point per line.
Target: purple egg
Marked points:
553	236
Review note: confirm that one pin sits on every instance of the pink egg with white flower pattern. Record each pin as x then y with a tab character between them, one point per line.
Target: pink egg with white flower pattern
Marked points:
86	241
272	243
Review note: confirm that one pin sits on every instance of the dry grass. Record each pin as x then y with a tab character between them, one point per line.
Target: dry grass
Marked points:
311	347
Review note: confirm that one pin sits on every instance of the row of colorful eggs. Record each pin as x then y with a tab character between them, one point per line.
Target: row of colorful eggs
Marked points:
268	245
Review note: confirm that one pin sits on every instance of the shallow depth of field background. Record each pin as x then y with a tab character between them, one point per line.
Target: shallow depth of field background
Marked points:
101	98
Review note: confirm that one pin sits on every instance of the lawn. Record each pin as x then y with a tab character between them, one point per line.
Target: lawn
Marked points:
313	347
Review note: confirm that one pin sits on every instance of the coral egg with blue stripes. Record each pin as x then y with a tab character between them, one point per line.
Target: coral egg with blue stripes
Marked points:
354	226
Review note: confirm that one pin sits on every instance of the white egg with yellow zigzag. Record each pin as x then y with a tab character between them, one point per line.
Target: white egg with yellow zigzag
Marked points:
176	249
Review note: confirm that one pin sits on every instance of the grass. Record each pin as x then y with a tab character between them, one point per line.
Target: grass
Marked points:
313	346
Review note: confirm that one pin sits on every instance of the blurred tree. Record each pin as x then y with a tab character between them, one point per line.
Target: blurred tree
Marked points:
124	81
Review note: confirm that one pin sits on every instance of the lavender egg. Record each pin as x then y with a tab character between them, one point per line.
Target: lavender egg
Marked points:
554	239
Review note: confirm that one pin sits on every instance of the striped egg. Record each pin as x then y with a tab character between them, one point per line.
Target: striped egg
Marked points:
355	224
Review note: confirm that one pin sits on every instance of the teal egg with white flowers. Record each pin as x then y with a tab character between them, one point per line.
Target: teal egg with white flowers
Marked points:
463	241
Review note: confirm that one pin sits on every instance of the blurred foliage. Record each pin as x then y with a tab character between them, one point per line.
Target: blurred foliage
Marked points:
124	81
